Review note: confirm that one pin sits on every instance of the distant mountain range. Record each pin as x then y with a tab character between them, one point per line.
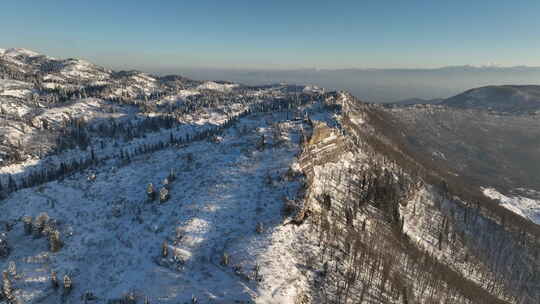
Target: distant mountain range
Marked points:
381	85
505	98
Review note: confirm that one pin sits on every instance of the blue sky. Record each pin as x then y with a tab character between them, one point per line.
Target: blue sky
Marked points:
153	35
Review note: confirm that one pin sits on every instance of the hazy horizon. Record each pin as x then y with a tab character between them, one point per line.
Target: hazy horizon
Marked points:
371	85
379	51
380	85
278	34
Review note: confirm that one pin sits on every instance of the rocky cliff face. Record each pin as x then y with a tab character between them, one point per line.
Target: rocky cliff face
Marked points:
383	232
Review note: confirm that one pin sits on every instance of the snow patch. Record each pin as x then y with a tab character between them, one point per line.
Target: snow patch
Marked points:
15	93
210	85
52	77
51	85
524	206
14	52
82	69
179	96
312	89
14	88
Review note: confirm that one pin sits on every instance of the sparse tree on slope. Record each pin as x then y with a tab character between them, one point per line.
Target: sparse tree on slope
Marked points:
151	192
4	246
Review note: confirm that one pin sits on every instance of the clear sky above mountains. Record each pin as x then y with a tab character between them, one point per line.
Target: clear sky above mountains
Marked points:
151	35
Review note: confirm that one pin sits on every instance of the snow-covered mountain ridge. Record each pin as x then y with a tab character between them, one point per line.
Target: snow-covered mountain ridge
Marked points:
146	189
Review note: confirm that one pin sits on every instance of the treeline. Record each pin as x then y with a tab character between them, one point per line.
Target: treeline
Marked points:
77	133
74	132
65	168
9	71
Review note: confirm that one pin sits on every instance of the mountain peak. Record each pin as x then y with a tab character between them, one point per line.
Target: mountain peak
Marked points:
503	98
13	52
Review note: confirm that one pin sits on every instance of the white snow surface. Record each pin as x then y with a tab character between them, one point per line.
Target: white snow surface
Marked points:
51	85
14	52
527	207
312	89
185	93
113	235
53	78
14	88
92	109
19	93
210	85
82	69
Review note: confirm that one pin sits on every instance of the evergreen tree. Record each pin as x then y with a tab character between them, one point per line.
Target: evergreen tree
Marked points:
7	288
27	221
68	284
40	223
164	249
55	243
163	195
172	175
151	192
4	246
54	280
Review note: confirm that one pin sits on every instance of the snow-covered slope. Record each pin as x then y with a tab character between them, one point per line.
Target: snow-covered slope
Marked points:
84	70
14	88
232	158
172	190
113	235
14	52
211	85
524	206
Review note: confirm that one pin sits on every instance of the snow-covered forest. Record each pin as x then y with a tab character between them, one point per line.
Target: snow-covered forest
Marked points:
125	187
